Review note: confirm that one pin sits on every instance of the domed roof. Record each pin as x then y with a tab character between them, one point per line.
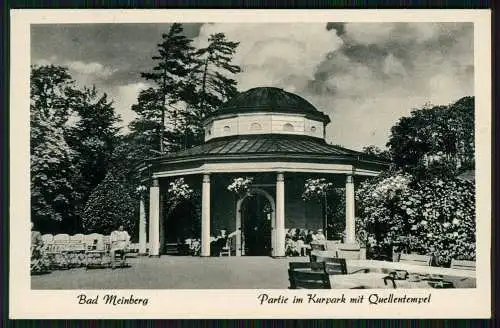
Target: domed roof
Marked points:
268	99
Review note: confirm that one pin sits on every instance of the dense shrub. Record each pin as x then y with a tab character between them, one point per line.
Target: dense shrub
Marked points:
434	217
109	206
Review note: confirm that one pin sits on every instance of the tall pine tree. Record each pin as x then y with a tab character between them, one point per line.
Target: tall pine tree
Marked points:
173	64
211	83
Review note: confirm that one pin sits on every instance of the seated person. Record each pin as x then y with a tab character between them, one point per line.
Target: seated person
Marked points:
120	241
320	235
301	247
39	262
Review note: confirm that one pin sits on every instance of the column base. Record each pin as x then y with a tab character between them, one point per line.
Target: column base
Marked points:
143	254
155	256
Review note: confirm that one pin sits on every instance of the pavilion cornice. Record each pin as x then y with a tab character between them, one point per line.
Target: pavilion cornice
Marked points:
269	166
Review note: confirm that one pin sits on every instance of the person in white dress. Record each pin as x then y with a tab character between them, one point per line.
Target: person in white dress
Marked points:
120	240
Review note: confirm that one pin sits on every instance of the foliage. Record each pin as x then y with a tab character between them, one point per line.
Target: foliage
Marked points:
109	206
434	217
73	135
209	84
240	186
52	168
435	140
178	192
377	151
174	63
316	189
93	137
190	84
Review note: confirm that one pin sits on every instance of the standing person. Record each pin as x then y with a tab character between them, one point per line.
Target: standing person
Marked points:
120	240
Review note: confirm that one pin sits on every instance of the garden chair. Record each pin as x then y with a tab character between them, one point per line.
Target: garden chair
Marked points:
314	266
415	259
335	265
76	250
58	252
57	255
463	265
118	256
317	246
133	250
308	280
47	239
226	249
96	251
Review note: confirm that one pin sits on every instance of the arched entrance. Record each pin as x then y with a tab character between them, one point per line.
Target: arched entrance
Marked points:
255	219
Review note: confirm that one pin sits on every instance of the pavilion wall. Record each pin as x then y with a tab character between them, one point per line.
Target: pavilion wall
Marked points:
298	213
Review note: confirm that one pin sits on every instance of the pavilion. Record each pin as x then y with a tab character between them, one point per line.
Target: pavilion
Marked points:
277	138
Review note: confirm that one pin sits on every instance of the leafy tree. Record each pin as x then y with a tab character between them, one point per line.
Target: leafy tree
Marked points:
209	86
435	140
93	138
52	169
377	151
72	139
174	61
109	206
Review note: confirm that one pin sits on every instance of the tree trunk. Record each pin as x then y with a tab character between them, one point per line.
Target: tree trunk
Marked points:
164	95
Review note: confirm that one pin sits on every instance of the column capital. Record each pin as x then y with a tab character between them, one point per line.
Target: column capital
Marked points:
155	183
280	177
206	177
349	178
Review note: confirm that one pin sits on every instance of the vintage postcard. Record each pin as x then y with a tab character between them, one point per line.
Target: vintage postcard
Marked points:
250	164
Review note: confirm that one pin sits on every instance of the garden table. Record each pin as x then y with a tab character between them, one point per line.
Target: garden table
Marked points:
386	267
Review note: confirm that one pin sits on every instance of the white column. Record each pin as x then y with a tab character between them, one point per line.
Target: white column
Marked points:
238	228
350	223
280	216
154	218
142	226
205	216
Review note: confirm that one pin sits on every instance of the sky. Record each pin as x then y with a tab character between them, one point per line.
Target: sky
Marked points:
365	76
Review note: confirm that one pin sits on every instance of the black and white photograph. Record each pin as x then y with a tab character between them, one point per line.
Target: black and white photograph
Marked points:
312	161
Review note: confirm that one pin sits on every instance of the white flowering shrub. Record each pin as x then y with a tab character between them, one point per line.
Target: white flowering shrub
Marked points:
241	186
141	189
178	190
433	217
442	218
316	189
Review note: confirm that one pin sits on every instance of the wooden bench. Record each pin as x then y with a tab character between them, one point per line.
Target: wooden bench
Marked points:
308	280
463	265
415	259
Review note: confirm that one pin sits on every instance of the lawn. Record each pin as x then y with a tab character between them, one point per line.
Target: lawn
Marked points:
176	272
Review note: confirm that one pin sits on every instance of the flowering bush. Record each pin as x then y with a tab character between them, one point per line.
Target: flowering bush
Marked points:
316	189
381	223
434	217
178	191
443	221
240	186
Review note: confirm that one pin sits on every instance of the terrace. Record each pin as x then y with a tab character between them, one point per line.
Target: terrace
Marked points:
186	272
